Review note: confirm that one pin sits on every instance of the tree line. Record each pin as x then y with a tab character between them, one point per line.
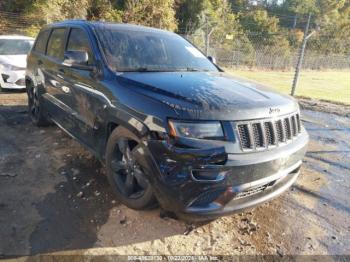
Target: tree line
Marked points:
274	23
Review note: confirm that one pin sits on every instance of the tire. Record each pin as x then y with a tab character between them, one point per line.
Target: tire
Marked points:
125	173
36	110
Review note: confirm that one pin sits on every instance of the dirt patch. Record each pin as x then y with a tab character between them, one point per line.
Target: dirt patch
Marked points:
325	106
13	98
54	197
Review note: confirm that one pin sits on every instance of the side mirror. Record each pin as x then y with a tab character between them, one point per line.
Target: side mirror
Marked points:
76	59
212	59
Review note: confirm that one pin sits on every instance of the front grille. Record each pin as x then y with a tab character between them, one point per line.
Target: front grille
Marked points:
244	136
270	138
279	131
286	123
260	135
298	123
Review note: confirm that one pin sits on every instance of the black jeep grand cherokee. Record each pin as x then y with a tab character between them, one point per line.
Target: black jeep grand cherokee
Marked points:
170	125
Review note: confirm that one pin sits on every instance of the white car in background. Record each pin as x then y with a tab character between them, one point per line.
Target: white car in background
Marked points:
13	60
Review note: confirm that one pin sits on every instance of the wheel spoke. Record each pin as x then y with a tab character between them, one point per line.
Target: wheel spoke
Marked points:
30	93
124	148
118	165
140	178
129	184
128	174
34	110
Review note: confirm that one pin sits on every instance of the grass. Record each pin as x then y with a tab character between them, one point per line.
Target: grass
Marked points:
324	85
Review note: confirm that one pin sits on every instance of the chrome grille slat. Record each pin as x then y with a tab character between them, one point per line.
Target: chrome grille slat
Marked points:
298	123
294	126
263	134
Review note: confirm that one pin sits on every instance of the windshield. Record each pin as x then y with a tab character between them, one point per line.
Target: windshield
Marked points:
15	46
133	50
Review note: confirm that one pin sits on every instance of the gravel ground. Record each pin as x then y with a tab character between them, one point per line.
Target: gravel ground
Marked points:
54	197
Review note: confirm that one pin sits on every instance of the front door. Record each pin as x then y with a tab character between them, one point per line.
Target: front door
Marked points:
86	102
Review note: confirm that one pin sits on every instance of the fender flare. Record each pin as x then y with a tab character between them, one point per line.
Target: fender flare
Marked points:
120	117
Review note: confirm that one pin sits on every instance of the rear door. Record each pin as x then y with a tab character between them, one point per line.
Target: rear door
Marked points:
57	90
36	58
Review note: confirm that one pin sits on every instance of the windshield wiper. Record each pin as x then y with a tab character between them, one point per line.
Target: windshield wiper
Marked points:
147	69
143	69
191	69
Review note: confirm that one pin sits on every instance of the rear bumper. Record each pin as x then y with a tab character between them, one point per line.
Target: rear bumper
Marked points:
236	181
12	79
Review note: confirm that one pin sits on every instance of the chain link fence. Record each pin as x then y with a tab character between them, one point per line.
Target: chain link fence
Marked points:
270	59
14	23
272	52
249	50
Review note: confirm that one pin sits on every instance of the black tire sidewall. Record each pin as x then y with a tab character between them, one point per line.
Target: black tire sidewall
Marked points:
147	200
42	119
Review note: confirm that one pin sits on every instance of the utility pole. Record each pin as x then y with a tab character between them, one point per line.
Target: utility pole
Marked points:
295	21
208	33
301	55
206	37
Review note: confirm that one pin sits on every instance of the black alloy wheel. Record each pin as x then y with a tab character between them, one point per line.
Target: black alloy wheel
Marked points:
128	174
34	104
125	170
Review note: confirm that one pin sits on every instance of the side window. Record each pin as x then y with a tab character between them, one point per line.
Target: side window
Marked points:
56	43
40	45
78	41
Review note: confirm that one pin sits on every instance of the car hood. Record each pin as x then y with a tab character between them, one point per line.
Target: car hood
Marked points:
210	95
15	60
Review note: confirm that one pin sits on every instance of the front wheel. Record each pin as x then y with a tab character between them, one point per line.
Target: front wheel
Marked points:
125	171
36	111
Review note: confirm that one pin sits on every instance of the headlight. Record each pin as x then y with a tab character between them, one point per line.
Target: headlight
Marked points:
9	67
204	130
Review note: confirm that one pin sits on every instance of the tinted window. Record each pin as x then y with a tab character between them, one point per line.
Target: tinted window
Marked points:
56	43
15	46
40	45
78	41
150	50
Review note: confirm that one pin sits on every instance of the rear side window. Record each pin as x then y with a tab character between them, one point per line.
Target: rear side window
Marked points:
56	43
40	45
78	41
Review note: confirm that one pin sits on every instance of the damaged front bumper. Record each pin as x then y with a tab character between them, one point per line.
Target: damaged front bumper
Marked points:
208	182
12	79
